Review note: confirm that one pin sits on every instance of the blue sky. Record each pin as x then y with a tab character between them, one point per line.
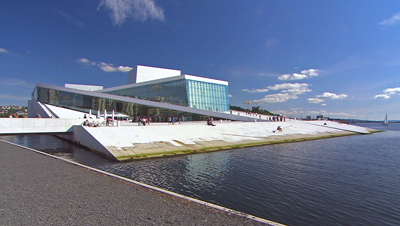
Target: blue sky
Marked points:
336	58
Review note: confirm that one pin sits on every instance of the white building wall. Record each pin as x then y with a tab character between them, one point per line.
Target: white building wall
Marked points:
83	87
35	107
146	73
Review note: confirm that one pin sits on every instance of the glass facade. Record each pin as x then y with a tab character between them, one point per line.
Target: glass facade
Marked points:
172	92
184	92
200	94
85	102
207	96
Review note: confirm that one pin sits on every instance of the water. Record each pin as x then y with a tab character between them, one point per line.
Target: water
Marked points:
351	180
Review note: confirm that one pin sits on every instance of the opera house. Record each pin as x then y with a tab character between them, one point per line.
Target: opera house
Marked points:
152	92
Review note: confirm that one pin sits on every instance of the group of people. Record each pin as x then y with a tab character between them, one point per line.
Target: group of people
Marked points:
277	119
15	115
210	121
144	121
171	120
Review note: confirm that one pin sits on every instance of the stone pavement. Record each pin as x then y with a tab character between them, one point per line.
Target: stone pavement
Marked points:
40	190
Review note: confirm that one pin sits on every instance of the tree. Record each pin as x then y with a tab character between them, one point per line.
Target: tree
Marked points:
253	110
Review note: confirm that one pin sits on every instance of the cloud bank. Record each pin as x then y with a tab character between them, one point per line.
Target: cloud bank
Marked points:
140	10
104	66
288	91
303	74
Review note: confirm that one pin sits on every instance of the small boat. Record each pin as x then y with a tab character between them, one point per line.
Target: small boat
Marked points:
386	122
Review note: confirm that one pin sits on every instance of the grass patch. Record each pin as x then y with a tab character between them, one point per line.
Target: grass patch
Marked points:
153	155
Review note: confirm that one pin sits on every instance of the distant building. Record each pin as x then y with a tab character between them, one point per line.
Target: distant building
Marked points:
320	117
22	114
308	117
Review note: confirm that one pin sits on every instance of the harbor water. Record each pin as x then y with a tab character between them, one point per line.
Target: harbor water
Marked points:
352	180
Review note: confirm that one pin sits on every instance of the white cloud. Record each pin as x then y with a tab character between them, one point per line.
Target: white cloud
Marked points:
109	68
296	76
381	96
124	68
332	96
256	90
295	113
314	112
293	76
326	96
340	114
3	50
271	43
83	61
288	91
304	74
276	98
315	100
387	92
140	10
70	18
323	104
104	66
284	77
310	72
291	87
395	19
230	95
392	90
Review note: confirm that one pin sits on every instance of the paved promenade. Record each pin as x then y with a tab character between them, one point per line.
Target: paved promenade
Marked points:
40	190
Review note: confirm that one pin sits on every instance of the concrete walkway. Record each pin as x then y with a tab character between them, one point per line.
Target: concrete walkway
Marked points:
41	190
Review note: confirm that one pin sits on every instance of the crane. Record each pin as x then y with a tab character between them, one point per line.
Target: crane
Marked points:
248	105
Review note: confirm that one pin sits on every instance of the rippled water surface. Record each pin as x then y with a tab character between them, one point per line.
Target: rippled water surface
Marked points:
351	180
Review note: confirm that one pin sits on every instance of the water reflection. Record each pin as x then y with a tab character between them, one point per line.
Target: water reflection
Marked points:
206	171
